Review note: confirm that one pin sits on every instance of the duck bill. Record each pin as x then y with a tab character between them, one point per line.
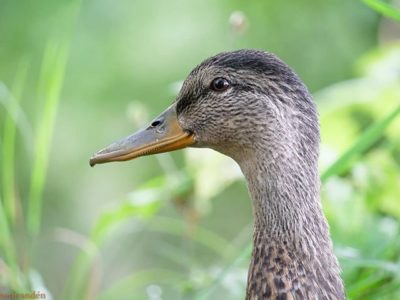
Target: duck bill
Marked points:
163	135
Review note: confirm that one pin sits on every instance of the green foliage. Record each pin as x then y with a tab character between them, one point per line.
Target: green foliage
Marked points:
360	189
366	140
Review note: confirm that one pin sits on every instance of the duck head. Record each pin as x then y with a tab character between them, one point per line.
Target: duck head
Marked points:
238	103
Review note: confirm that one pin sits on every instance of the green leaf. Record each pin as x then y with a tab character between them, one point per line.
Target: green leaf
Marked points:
370	136
383	8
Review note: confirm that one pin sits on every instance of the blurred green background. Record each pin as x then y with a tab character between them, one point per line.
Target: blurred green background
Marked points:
76	75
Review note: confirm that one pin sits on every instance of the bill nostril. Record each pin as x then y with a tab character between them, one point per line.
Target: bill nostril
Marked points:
155	123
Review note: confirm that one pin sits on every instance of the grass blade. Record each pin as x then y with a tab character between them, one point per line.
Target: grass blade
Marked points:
8	155
384	8
18	116
8	205
51	80
7	248
370	136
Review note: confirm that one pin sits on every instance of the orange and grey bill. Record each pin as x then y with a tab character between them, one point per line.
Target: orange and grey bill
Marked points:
164	135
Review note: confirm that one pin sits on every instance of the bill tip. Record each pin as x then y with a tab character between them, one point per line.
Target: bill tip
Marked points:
92	163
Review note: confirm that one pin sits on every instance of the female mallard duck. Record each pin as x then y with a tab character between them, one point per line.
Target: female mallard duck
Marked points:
251	106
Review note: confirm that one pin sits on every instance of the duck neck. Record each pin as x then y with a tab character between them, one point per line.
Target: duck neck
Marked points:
291	237
285	198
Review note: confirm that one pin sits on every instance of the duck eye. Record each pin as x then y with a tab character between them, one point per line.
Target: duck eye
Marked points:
219	84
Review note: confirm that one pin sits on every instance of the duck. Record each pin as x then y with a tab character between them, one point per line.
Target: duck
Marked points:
251	106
